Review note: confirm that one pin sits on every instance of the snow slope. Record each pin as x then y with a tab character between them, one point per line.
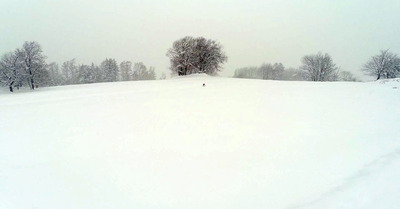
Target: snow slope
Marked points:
235	143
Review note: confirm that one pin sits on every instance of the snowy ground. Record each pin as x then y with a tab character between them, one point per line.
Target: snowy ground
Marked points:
233	144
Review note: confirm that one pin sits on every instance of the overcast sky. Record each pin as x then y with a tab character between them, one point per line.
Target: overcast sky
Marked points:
252	32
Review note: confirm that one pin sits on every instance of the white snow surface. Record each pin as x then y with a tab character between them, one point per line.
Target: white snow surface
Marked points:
234	144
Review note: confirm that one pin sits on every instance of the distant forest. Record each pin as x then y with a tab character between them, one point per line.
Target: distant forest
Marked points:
320	67
27	66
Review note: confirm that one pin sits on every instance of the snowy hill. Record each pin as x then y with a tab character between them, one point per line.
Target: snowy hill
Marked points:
235	143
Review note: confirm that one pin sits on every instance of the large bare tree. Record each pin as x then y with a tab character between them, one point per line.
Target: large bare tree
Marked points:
34	61
196	55
385	64
319	67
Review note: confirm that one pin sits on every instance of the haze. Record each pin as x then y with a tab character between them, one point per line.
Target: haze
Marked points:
252	32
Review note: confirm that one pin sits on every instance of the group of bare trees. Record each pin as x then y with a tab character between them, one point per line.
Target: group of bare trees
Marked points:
26	66
320	67
196	55
314	67
265	71
108	71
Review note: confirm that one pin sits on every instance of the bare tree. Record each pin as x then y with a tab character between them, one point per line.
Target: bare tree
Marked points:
163	76
196	55
249	72
54	74
10	70
69	71
109	68
271	72
293	74
86	74
180	55
277	71
126	70
208	56
139	71
151	74
346	76
266	71
319	67
34	61
98	74
384	64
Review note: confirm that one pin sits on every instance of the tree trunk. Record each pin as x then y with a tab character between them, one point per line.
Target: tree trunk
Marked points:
11	86
32	84
379	76
30	80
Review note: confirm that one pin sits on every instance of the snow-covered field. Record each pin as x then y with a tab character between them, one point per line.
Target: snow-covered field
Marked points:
234	144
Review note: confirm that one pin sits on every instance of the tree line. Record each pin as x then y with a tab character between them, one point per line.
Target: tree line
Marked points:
320	67
200	55
190	55
26	66
316	67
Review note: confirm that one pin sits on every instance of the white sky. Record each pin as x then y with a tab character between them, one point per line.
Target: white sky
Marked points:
252	32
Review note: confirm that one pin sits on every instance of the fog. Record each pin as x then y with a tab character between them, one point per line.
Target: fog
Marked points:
252	32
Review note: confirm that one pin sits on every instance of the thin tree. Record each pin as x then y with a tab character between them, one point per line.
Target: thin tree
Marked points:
151	74
69	71
126	70
54	74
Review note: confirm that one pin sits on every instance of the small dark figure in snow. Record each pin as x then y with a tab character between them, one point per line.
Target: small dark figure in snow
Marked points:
204	85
